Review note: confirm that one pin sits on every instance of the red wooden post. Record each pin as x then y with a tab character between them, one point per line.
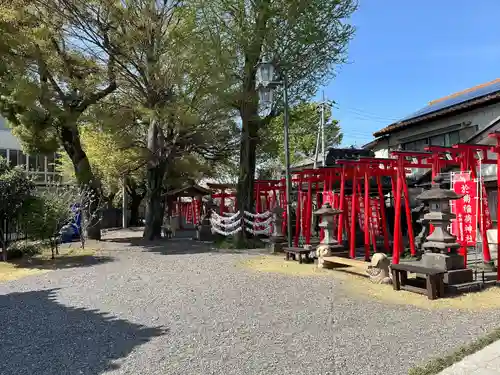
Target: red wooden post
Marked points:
496	149
222	200
411	237
397	216
342	217
308	210
352	244
367	214
382	213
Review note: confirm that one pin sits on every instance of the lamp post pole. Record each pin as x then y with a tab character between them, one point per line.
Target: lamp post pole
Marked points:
288	181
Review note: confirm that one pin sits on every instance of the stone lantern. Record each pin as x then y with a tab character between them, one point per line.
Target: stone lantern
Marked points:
441	246
204	230
328	244
277	240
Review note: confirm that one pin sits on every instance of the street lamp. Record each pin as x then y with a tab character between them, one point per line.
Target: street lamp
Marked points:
266	85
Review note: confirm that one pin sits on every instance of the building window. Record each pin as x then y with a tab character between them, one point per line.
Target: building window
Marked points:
13	159
22	159
438	140
51	163
3	153
452	138
31	162
40	164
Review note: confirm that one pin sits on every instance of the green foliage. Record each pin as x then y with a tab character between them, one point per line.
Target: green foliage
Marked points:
47	212
15	189
20	249
304	123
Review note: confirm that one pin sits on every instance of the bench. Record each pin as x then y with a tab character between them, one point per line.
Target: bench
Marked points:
297	251
346	261
434	286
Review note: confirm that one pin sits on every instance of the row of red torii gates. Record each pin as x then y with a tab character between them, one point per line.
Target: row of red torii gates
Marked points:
358	174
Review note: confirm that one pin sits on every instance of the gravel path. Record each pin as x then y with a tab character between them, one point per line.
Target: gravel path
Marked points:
184	310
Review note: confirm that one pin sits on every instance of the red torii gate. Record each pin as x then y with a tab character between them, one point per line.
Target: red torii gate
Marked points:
363	169
496	148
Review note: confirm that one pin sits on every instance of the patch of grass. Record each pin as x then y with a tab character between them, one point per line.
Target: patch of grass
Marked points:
69	257
355	285
222	242
437	365
9	271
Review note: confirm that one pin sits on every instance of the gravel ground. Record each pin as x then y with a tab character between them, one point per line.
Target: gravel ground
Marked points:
180	309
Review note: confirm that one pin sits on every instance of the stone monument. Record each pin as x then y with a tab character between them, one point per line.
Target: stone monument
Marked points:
204	229
278	240
328	245
441	246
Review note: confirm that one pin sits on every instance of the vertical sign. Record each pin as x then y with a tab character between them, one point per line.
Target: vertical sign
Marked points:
486	210
465	227
361	213
375	222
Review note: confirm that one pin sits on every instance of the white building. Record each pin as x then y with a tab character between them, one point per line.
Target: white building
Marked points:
464	117
42	167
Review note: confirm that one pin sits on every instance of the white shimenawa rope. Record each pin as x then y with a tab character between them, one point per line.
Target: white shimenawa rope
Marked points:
266	223
262	215
223	233
266	231
225	225
225	218
230	225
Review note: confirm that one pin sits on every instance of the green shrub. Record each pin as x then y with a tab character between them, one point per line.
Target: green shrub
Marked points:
19	249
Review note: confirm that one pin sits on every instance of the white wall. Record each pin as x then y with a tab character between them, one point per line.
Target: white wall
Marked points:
480	117
467	123
8	141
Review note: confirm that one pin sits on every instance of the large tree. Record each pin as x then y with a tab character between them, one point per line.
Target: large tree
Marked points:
170	83
53	70
305	38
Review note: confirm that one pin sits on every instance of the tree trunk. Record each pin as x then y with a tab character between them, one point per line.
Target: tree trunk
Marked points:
154	182
246	176
70	137
135	203
154	203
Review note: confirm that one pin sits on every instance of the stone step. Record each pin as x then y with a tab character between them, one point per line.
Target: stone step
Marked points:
472	286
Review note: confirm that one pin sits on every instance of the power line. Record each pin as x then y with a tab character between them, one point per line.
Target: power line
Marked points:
366	114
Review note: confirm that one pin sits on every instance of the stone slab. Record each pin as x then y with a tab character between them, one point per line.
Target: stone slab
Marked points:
454	277
442	261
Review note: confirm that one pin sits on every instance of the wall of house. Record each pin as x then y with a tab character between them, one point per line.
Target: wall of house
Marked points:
467	124
41	167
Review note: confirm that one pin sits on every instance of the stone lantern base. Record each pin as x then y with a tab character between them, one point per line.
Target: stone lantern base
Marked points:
276	244
453	264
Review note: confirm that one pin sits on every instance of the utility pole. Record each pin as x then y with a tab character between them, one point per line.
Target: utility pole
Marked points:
288	180
316	149
323	130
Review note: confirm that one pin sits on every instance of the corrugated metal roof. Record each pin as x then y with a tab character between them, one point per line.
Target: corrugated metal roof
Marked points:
447	103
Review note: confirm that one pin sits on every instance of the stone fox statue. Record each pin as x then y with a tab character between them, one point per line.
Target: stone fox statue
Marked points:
378	270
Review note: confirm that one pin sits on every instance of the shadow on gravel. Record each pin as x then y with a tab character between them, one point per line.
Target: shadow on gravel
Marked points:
62	262
41	336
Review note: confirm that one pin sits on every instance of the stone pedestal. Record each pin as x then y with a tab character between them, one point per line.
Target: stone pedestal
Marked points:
452	263
204	232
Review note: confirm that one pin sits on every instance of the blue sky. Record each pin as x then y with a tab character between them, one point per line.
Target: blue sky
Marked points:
407	53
